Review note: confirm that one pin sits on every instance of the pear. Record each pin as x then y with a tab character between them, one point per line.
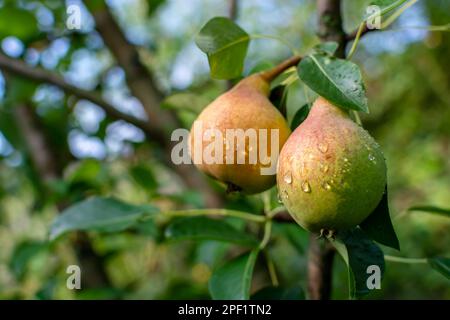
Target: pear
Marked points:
245	106
331	173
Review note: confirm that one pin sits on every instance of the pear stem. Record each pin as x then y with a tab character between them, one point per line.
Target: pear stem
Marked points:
271	74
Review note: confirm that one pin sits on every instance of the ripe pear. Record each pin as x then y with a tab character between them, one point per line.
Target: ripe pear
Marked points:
331	173
245	106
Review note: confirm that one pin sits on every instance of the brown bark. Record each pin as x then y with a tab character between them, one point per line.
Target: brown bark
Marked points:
42	157
330	24
20	68
320	268
233	6
138	78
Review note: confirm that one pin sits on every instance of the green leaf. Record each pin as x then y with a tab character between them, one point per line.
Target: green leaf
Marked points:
86	172
378	225
232	281
383	3
441	265
191	197
296	236
431	209
95	5
278	293
359	252
20	90
328	47
337	80
153	5
23	254
18	23
202	228
144	177
386	6
100	214
300	116
225	44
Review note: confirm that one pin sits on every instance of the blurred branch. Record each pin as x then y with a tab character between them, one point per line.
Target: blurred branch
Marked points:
45	162
233	7
232	14
42	156
188	173
138	77
351	36
320	268
330	24
40	75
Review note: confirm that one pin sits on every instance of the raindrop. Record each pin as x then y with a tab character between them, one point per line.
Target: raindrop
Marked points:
345	160
371	157
326	185
306	187
279	198
311	156
323	147
288	178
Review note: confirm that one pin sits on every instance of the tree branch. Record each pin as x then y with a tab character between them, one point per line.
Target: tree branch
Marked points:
330	24
351	36
188	173
20	68
45	162
138	77
42	156
320	268
233	6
